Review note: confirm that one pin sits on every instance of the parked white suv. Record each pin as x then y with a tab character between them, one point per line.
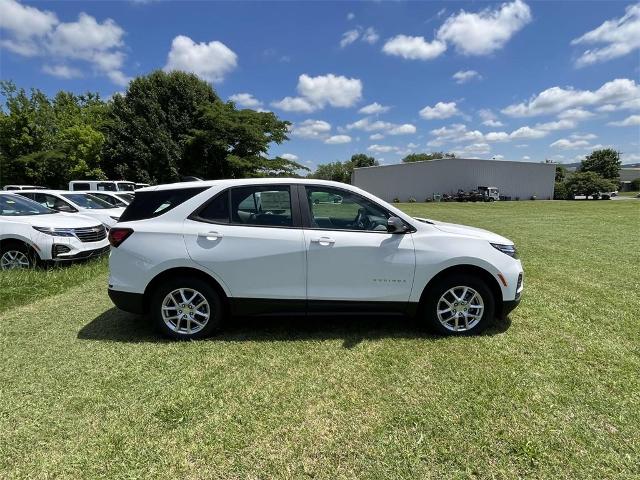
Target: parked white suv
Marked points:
192	254
30	233
76	202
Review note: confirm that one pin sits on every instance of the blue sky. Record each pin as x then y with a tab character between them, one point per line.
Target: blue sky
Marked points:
514	80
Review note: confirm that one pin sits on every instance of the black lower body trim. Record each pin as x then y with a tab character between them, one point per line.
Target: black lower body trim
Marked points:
267	306
509	306
84	254
129	302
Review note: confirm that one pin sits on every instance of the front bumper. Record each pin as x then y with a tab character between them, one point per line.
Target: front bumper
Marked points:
81	255
127	301
509	306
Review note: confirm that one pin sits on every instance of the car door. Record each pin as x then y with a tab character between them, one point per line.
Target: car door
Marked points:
250	237
350	255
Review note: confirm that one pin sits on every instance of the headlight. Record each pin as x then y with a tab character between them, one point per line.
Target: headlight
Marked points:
506	249
56	232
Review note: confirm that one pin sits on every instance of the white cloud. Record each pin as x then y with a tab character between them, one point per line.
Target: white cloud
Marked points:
349	37
583	136
367	125
575	114
498	157
289	156
558	125
497	137
527	132
439	111
630	121
28	31
376	136
526	157
493	123
313	129
368	35
485	32
464	76
474	148
557	99
404	129
318	92
454	133
62	71
351	16
338	139
381	148
246	100
294	104
618	37
413	48
211	61
374	108
565	144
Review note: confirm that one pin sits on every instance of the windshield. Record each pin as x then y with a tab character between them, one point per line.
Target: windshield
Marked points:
112	200
85	200
128	197
126	187
13	206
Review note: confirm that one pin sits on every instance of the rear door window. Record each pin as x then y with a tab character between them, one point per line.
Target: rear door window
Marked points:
262	205
155	203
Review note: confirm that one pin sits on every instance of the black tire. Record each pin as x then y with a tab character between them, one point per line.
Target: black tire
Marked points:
216	310
15	246
429	304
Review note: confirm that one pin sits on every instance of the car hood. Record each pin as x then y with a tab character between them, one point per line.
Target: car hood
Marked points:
55	220
468	231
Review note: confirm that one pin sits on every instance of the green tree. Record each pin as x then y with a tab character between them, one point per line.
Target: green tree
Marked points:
635	184
335	171
588	183
360	160
423	157
605	162
561	173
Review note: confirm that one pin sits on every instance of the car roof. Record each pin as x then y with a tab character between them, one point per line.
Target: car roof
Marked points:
56	192
244	181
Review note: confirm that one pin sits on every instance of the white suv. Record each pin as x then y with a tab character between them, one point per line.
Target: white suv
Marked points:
76	202
30	233
193	254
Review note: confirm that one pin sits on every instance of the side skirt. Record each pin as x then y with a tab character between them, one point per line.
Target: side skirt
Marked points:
269	307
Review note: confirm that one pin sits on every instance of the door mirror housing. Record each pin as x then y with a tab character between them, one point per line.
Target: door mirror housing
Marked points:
396	225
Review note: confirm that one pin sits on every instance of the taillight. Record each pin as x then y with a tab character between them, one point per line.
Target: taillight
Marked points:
118	235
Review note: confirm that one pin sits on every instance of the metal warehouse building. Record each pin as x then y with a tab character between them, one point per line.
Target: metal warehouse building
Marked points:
422	179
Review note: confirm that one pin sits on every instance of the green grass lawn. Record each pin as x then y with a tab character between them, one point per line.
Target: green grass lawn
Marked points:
87	391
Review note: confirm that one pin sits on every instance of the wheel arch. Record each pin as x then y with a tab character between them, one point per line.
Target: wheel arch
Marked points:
186	272
466	269
8	240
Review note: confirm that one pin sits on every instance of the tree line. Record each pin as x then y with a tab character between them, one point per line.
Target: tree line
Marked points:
163	127
598	172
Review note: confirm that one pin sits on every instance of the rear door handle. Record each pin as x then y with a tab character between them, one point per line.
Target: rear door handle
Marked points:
210	235
324	241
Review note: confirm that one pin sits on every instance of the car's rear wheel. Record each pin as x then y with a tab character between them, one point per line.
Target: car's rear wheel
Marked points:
16	256
459	304
186	308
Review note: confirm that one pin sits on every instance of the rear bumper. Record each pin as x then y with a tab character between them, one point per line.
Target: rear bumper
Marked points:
127	301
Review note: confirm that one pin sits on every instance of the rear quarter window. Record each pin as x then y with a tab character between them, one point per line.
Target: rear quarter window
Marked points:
155	203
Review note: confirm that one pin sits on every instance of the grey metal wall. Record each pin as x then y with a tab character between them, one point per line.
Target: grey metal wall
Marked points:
422	179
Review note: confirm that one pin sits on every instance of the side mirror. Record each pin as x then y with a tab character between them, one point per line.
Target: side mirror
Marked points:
395	225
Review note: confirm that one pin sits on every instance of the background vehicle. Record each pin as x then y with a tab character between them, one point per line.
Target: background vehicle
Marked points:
23	187
489	194
192	253
76	202
30	233
141	185
102	185
115	199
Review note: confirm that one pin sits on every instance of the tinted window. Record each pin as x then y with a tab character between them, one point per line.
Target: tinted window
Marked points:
86	200
81	186
217	210
155	203
113	201
263	205
53	202
106	186
127	187
342	210
13	205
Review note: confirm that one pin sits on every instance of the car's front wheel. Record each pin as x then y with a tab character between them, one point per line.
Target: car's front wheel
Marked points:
186	309
15	256
459	304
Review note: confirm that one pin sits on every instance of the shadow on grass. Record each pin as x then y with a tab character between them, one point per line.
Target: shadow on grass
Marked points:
117	326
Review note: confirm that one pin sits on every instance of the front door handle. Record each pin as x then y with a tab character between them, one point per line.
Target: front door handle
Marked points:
324	241
210	235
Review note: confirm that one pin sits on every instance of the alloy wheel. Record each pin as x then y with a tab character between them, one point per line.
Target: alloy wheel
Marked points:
185	311
460	309
14	260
